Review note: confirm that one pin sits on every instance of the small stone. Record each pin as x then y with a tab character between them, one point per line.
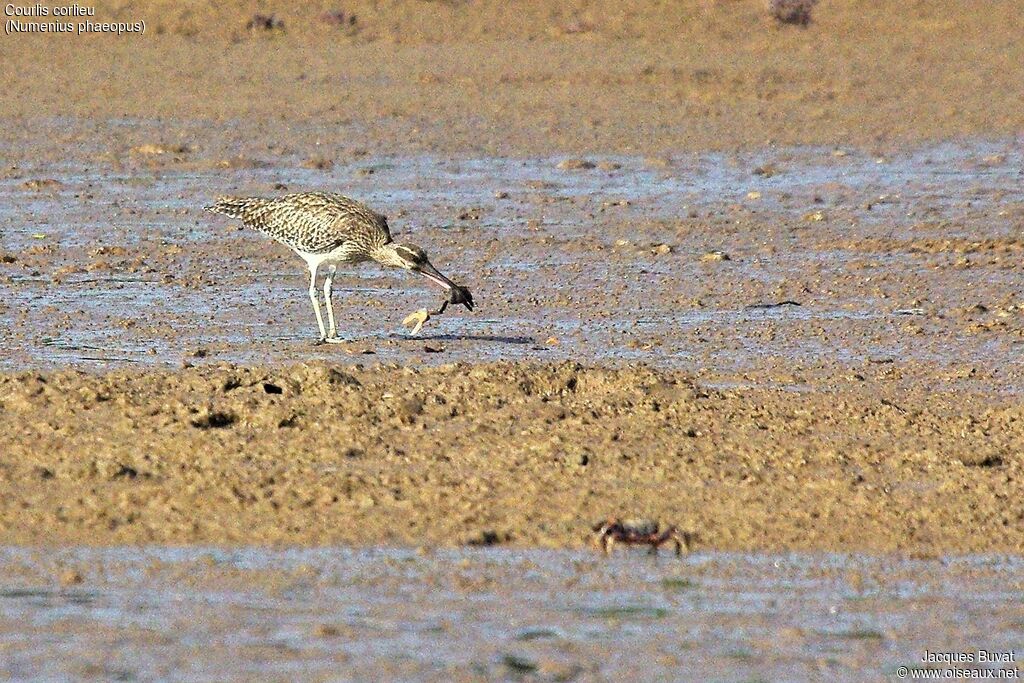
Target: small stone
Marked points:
661	250
980	459
488	537
796	12
409	409
814	216
553	670
576	165
326	631
518	664
214	419
264	22
753	195
41	184
158	149
715	256
70	577
338	18
125	471
43	472
318	163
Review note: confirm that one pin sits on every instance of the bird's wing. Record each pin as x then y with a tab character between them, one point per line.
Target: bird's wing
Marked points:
318	222
382	225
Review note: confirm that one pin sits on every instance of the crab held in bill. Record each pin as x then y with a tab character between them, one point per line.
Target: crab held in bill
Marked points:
639	532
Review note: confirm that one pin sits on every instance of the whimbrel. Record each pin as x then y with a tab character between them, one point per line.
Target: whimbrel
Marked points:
326	230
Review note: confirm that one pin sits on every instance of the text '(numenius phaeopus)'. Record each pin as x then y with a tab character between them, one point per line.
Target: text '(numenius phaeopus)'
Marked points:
21	19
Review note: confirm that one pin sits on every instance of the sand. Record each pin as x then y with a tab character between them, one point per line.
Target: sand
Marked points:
642	77
882	414
501	453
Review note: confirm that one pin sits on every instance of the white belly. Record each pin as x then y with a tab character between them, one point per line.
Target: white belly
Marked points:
346	253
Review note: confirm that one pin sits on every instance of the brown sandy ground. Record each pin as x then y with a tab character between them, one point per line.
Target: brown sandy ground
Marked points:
532	455
528	77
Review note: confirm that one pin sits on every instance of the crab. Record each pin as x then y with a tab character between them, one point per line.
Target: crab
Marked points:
457	295
416	319
639	532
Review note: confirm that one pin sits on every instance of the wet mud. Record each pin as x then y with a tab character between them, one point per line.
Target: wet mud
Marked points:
782	266
761	282
213	614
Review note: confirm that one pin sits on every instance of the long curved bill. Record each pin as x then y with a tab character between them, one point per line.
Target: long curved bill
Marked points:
429	271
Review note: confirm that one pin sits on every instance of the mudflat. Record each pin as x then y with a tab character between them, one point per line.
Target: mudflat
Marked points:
598	76
496	614
760	282
495	453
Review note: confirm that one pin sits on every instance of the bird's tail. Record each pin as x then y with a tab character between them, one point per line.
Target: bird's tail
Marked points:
237	207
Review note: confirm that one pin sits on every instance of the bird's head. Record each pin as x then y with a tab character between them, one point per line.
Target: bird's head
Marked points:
413	258
409	256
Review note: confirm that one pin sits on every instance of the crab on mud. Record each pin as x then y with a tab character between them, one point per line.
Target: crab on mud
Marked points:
639	532
457	295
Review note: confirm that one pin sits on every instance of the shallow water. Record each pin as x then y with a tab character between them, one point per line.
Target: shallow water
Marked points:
560	260
340	614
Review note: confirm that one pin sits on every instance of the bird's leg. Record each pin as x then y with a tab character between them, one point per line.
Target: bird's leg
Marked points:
440	310
315	299
332	329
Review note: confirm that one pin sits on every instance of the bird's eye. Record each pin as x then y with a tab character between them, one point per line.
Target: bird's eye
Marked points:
408	255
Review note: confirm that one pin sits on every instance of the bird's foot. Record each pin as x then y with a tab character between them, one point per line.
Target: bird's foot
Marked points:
333	340
416	320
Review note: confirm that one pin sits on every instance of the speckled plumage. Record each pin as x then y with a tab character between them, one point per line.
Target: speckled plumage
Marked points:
312	222
328	229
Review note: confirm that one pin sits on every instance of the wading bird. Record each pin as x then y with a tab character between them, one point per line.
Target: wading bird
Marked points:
327	230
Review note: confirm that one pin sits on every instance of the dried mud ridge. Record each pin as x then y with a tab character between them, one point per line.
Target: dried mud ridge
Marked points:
501	453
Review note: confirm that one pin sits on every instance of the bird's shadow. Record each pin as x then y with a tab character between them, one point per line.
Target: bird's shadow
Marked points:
497	339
